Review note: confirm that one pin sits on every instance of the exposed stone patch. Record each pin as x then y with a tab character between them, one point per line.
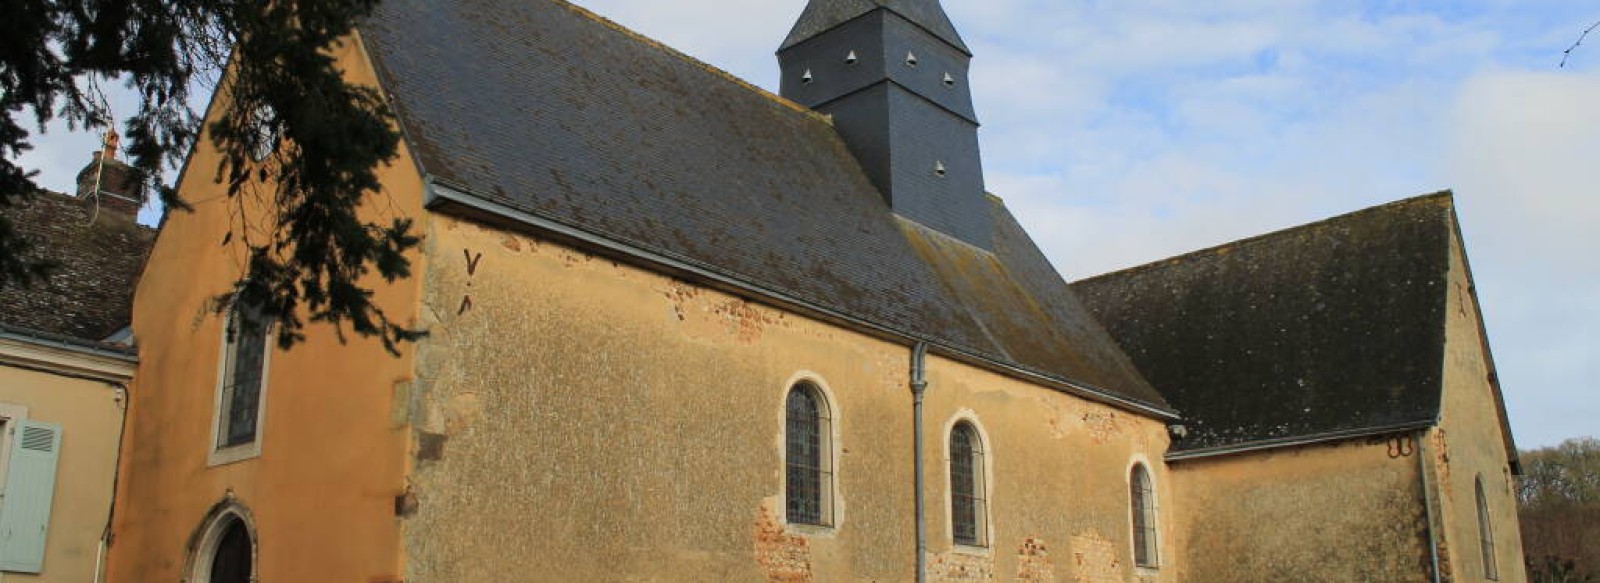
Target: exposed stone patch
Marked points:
460	411
1441	451
1102	425
406	504
745	320
430	446
572	258
785	558
958	566
713	317
1094	559
1033	561
1447	571
1058	419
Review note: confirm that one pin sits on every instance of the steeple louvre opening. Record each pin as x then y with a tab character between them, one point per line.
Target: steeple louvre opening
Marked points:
902	106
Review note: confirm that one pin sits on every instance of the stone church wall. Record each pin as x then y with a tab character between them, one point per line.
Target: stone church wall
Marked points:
1469	443
584	420
1348	512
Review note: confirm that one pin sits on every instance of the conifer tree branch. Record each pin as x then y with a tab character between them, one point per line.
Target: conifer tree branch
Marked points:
312	257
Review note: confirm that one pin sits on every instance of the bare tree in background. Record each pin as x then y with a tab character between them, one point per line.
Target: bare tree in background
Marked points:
1559	500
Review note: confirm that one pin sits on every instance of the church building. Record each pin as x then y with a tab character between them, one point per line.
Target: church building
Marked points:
682	329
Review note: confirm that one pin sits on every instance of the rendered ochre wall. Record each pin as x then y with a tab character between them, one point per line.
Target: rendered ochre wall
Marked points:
323	492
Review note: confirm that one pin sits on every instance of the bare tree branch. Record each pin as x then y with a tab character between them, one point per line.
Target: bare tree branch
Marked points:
1567	54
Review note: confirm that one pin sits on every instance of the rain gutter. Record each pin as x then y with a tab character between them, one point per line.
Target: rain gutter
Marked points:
919	387
1296	441
442	196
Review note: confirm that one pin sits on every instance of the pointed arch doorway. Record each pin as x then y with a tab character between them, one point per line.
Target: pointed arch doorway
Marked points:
226	548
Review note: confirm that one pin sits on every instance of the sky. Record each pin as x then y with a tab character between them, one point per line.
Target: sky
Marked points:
1125	131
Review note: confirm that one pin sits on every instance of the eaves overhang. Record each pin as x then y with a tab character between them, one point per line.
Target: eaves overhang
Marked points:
443	197
51	354
1297	441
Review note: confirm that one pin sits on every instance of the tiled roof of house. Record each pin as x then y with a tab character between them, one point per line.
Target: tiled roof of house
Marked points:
1329	328
538	108
100	254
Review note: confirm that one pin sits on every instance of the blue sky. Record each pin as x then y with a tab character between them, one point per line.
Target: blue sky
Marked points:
1125	131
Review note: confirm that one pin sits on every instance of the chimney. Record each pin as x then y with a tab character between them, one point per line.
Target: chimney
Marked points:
118	184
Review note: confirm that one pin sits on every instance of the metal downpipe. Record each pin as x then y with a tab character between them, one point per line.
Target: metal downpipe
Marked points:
1427	502
919	386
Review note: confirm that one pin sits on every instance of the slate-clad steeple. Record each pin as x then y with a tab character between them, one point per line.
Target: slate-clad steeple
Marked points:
893	74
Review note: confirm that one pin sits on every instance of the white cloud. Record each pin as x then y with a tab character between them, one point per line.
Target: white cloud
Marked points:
1124	131
1522	146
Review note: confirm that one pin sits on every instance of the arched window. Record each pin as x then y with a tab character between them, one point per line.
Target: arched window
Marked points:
241	388
226	549
1142	494
968	492
1491	569
808	456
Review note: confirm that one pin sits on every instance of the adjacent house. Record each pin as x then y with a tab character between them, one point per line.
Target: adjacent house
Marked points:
66	359
681	329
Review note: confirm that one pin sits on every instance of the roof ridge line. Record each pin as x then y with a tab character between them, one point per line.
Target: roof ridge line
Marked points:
892	10
665	48
959	45
46	192
1264	237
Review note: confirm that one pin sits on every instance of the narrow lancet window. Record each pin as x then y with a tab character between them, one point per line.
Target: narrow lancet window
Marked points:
968	503
1143	496
808	457
244	366
1491	567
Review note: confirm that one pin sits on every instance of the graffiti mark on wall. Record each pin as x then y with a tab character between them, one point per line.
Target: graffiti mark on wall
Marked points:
472	270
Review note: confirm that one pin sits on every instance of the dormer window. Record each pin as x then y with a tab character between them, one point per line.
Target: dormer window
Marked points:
807	78
939	169
851	58
911	59
949	80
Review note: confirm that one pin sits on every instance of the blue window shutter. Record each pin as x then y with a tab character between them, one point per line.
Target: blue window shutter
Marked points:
29	488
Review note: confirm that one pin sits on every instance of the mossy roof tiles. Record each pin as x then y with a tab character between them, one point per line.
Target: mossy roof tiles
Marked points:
544	109
99	255
1329	328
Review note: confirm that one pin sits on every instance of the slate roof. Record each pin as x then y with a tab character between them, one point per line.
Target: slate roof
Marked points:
822	15
542	109
100	255
1329	328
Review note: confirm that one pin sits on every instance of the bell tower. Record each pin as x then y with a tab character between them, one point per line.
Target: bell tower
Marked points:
893	75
